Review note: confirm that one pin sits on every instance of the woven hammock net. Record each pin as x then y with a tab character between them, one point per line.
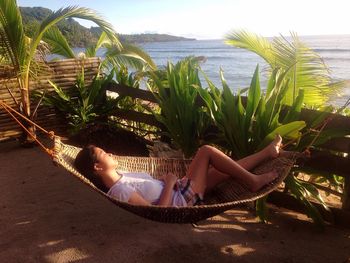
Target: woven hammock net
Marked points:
224	197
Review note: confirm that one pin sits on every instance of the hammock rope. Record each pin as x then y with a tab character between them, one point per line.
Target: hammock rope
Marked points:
51	134
222	198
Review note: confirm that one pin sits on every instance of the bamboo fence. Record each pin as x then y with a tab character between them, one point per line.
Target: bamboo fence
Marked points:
61	72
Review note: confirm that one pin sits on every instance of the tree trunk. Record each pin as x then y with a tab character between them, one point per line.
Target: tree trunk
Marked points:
27	139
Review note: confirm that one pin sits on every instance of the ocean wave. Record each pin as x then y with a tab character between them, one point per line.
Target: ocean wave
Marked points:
341	59
195	50
331	50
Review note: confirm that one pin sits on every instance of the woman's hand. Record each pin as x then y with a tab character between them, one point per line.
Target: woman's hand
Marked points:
170	179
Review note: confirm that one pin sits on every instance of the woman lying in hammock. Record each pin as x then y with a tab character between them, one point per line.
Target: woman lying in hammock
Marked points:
208	168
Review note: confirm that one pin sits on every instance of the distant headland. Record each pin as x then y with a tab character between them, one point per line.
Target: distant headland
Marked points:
80	36
144	38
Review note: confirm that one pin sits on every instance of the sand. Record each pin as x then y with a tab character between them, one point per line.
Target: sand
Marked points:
47	215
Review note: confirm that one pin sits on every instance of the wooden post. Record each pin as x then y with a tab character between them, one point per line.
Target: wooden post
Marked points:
346	194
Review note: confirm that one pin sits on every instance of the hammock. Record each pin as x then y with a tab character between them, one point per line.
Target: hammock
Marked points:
224	197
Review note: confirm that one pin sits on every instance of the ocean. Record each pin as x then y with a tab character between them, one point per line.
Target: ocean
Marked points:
239	65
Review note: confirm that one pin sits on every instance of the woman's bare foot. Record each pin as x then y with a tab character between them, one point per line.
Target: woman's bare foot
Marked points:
274	149
262	179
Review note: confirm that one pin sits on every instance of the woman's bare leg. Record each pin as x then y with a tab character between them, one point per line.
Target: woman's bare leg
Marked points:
214	178
271	151
208	155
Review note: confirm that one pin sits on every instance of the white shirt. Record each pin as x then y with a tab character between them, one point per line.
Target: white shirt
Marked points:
145	185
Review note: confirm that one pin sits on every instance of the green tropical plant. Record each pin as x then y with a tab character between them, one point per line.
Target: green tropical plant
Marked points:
122	76
248	127
81	105
306	80
302	191
20	51
306	69
317	134
176	90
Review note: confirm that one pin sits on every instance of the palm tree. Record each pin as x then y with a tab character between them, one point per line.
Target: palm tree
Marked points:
115	55
20	51
306	68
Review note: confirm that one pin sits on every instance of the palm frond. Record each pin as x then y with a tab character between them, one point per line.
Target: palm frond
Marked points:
310	72
307	69
129	55
58	43
252	42
138	52
102	41
77	12
12	35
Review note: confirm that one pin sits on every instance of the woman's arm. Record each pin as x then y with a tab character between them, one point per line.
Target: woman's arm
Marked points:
166	196
137	199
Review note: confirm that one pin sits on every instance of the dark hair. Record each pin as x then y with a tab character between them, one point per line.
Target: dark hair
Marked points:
85	162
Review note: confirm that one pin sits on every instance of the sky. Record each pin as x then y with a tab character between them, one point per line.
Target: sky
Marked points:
212	19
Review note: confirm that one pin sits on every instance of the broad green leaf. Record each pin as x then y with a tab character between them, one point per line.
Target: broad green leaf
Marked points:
289	131
295	109
253	99
299	192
